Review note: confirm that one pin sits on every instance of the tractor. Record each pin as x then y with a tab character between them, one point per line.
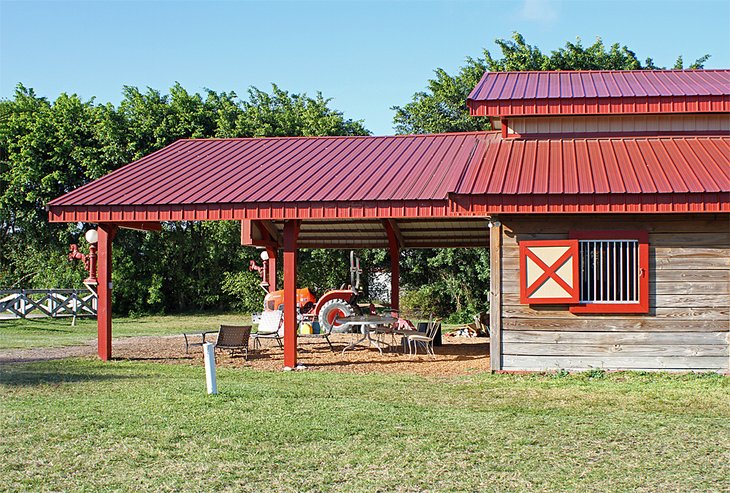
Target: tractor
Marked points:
331	305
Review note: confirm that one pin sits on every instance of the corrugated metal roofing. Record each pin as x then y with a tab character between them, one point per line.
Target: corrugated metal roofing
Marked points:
296	169
600	92
601	166
406	176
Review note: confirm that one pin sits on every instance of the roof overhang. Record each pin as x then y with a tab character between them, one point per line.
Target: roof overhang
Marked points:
459	205
471	205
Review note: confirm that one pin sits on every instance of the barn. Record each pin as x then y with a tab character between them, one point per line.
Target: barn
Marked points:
603	196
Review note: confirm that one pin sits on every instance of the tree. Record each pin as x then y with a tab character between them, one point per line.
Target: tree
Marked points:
46	149
442	106
49	148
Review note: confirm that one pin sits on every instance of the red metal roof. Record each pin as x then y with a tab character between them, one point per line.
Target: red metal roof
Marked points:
601	166
503	94
296	169
407	176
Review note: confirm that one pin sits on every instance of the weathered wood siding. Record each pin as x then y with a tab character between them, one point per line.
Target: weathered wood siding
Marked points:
566	125
689	321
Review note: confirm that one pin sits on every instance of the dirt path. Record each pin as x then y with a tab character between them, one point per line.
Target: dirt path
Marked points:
87	349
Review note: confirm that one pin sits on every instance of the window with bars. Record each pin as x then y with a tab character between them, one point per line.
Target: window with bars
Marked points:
609	271
613	271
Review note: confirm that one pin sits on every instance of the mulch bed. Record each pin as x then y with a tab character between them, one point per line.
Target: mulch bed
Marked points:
457	356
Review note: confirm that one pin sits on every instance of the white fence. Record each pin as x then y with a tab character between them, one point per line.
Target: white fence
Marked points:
27	303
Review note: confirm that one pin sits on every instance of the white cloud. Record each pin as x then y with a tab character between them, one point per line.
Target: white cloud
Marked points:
545	11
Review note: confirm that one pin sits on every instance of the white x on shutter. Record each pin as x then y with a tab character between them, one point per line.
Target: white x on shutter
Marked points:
549	272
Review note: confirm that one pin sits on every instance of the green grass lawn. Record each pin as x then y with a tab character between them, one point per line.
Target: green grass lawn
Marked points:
83	425
49	332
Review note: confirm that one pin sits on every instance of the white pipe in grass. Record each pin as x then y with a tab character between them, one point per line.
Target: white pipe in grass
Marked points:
209	357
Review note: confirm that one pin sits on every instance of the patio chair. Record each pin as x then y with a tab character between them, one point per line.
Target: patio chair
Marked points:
234	338
392	330
424	339
269	328
322	335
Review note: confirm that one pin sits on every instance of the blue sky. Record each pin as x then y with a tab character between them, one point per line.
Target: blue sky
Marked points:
366	56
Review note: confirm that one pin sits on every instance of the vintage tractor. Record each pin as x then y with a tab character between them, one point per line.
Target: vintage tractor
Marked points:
331	305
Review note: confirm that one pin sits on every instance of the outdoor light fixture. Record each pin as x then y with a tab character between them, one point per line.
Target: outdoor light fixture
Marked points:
92	236
263	270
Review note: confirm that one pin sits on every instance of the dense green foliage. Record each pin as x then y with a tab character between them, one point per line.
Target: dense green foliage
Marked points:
457	281
49	148
84	425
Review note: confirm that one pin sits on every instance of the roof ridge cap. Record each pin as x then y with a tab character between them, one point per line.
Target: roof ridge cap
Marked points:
334	137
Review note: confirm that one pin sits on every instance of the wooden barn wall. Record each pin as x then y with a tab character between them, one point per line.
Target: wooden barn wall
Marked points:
689	320
619	124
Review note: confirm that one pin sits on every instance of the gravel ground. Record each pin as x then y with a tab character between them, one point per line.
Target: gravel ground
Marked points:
457	356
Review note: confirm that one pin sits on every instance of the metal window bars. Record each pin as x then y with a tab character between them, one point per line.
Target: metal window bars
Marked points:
609	271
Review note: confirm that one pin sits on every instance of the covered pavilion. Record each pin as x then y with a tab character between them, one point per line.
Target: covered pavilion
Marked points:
638	144
289	193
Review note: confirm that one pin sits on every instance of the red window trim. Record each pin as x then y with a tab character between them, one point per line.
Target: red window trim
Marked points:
643	305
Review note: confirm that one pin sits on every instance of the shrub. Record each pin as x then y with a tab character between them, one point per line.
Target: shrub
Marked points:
244	287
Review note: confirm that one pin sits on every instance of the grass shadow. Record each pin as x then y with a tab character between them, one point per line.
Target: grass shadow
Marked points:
19	377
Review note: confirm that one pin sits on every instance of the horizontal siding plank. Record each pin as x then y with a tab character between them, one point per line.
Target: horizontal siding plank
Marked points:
658	252
657	264
663	288
669	240
679	223
658	240
611	362
697	287
673	263
691	275
587	324
558	311
622	338
662	300
600	350
511	276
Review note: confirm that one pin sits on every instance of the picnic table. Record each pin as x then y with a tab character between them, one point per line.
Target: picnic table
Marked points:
189	335
367	324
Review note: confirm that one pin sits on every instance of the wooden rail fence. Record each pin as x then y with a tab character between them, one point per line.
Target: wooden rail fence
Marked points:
26	303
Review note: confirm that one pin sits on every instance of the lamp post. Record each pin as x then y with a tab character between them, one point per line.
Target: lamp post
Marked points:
90	260
263	270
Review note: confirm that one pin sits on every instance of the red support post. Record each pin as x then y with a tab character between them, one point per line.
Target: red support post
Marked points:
104	290
394	276
291	232
394	247
272	252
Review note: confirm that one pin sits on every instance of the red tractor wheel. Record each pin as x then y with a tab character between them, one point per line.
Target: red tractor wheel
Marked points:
333	309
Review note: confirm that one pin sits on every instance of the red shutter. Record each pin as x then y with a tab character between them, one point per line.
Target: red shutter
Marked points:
549	272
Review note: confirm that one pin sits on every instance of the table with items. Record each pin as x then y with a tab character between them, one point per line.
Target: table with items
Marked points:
368	324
